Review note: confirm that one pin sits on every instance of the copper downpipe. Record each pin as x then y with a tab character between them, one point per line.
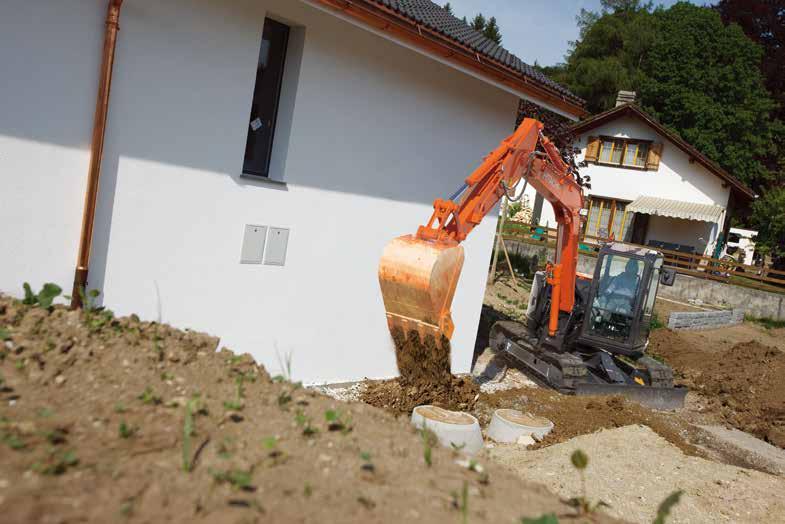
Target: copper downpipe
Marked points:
96	151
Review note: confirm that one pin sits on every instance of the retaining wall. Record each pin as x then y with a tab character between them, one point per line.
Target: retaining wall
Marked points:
705	319
754	302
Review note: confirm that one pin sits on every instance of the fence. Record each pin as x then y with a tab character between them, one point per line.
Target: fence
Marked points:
687	263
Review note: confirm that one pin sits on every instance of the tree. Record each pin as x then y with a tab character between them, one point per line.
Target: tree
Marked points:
701	79
492	31
448	7
769	219
478	23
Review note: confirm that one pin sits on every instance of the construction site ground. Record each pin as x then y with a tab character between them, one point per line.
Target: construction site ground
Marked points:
107	419
724	448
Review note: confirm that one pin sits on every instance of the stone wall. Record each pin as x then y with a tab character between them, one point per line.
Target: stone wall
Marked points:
705	319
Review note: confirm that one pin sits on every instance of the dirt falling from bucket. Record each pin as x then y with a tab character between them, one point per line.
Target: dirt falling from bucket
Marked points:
425	378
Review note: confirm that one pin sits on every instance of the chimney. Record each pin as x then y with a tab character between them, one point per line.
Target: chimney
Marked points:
625	97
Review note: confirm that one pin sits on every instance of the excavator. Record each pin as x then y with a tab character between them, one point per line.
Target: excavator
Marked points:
583	334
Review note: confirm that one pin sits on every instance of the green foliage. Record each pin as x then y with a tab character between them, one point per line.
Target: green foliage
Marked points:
768	323
655	323
447	7
304	422
149	397
549	518
580	460
44	298
492	31
126	431
429	440
664	510
191	407
238	479
4	334
478	22
337	421
703	81
57	463
768	218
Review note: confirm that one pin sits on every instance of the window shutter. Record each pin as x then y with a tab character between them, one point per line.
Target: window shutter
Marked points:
655	153
592	149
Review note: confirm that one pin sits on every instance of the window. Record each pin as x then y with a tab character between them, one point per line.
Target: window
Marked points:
608	217
266	96
627	153
613	307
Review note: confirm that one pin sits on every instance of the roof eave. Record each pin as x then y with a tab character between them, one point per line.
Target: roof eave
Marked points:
401	27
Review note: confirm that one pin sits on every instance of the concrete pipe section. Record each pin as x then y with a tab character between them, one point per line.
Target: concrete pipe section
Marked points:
452	428
509	425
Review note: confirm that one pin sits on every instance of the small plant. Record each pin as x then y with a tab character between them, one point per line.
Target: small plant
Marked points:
119	407
4	334
307	490
655	323
166	376
367	465
125	431
549	518
304	422
664	510
233	405
336	421
768	323
44	298
284	397
12	441
56	436
188	432
461	502
429	440
238	479
270	443
58	463
285	362
580	461
148	397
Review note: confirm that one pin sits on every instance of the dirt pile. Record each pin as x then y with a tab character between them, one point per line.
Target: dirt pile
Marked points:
742	384
107	419
573	416
425	378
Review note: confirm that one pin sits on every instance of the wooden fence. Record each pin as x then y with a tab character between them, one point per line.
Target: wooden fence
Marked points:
696	265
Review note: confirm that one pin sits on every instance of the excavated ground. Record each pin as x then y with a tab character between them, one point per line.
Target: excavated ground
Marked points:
100	417
740	385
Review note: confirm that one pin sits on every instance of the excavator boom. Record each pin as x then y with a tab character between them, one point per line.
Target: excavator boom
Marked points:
418	273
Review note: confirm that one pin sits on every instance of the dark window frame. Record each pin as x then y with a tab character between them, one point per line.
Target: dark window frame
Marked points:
265	174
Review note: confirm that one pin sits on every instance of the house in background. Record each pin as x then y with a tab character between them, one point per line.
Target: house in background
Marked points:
259	154
649	186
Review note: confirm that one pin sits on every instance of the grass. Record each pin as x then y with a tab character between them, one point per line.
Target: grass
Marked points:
768	323
337	421
148	397
237	478
188	432
429	440
304	422
126	431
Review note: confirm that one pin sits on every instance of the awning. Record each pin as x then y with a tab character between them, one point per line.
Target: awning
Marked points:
664	207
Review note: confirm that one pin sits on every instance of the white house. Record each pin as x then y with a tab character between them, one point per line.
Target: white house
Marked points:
258	155
650	187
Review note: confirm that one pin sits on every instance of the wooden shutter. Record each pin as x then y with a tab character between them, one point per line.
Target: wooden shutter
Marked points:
653	159
592	149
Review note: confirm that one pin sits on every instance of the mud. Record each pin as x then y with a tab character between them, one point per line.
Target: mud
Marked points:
421	361
742	385
93	429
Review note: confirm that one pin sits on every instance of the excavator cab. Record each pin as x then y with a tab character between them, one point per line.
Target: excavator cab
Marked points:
619	300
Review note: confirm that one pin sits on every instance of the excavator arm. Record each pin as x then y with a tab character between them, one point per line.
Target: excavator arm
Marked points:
418	273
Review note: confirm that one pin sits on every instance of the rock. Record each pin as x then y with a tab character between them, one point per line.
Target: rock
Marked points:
59	380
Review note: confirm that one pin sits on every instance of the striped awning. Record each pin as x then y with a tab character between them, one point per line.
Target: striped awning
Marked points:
664	207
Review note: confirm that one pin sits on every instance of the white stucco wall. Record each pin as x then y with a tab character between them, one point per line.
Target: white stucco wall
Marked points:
676	179
376	132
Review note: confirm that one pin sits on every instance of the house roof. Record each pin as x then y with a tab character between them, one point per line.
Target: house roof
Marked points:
665	207
630	109
425	23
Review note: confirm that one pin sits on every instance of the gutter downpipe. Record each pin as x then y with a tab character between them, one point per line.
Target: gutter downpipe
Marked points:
96	152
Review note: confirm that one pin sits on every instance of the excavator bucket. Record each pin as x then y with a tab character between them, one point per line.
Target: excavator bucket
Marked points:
418	280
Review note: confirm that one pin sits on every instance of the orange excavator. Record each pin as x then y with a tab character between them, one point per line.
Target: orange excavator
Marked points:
582	334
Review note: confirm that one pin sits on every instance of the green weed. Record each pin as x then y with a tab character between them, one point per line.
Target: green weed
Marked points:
429	440
4	334
125	431
238	479
188	432
664	510
120	408
148	397
768	323
461	501
337	421
57	463
12	441
44	298
304	422
580	462
549	518
307	490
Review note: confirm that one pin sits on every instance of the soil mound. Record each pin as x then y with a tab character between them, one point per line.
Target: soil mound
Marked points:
742	384
106	419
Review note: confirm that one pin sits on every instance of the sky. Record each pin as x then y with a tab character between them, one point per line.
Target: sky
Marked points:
534	29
